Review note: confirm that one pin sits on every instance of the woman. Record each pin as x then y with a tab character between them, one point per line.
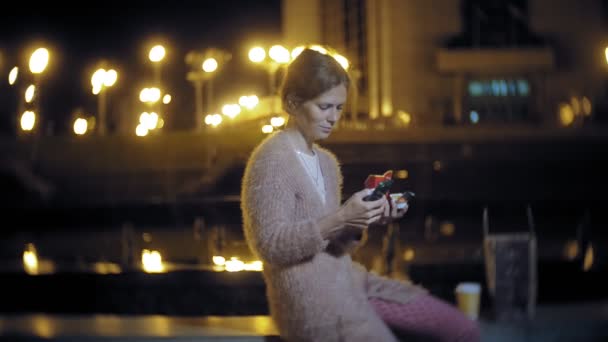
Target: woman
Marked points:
295	223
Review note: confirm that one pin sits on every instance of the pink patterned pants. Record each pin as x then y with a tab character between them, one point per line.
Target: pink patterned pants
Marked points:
427	318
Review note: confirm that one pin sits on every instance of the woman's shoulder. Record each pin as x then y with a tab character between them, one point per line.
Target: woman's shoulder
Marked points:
271	147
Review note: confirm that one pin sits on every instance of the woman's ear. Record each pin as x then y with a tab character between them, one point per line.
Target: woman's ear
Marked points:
291	103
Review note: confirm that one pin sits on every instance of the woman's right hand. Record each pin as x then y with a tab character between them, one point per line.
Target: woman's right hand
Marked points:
356	212
355	215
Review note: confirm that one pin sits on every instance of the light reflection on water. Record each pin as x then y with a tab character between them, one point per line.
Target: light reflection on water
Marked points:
431	233
181	252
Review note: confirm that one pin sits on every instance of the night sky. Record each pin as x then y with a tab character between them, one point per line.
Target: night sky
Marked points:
121	32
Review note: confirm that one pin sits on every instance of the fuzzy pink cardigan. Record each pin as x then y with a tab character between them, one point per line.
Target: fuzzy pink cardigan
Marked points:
314	289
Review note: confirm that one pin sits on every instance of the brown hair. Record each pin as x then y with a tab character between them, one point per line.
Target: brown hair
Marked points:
310	75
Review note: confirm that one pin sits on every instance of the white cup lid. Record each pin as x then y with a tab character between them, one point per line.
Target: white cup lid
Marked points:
468	287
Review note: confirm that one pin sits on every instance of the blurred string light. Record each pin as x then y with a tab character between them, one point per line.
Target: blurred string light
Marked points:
106	268
141	130
249	102
148	122
102	79
588	258
409	254
80	126
573	111
39	60
257	54
297	51
213	120
151	261
30	92
231	110
267	129
566	114
30	259
234	264
209	65
279	54
343	61
157	53
219	260
401	174
28	120
404	117
277	121
150	95
12	75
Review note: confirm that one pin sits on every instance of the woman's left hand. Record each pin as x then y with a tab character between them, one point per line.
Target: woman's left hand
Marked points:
392	212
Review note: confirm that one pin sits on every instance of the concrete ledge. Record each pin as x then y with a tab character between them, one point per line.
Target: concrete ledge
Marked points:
28	327
581	321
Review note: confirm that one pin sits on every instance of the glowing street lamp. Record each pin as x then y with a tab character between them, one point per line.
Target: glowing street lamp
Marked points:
101	80
80	126
157	53
204	65
248	102
39	60
279	56
209	65
231	110
257	54
156	56
30	92
267	129
28	120
277	121
149	95
30	259
297	51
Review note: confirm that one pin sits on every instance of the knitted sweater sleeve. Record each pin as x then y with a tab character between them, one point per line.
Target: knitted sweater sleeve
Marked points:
268	205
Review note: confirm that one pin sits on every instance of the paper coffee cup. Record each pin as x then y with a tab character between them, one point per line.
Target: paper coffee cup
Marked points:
468	297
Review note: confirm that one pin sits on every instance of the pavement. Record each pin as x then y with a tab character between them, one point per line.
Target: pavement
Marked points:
580	321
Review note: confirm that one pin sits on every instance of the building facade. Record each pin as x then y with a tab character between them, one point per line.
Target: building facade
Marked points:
450	62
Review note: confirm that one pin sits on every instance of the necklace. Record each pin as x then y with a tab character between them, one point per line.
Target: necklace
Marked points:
311	163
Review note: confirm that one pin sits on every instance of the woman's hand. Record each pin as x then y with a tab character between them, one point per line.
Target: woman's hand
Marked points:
355	215
392	212
359	213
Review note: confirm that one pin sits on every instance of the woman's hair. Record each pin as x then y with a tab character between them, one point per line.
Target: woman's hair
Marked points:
310	75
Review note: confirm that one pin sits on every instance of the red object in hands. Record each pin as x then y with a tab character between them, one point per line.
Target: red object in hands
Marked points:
372	181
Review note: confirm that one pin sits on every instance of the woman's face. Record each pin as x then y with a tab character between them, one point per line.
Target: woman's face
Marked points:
316	118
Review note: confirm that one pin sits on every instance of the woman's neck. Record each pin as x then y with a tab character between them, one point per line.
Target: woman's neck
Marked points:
300	143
